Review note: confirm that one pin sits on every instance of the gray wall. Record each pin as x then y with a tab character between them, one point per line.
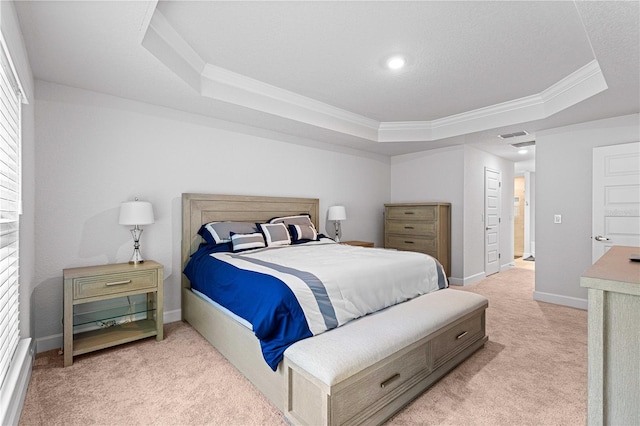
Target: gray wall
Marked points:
94	151
434	176
564	186
456	175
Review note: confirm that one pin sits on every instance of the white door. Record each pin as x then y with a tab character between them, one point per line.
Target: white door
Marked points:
616	197
492	184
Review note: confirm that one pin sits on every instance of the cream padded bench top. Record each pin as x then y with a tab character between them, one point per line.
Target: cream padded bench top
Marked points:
340	353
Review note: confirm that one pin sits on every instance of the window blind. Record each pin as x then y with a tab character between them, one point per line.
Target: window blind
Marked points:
9	214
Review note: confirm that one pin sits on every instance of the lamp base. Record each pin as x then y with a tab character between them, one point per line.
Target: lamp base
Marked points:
136	232
136	258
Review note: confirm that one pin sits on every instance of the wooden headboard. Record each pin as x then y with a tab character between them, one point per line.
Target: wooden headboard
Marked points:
198	209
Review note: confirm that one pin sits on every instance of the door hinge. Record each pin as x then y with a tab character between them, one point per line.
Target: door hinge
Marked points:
499	255
499	220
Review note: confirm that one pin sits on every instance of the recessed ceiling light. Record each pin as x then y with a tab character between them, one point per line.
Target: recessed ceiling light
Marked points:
396	62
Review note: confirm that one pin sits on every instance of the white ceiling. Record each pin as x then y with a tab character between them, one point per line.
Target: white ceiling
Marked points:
314	70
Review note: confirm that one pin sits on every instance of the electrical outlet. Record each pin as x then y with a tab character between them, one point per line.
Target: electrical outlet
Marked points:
557	218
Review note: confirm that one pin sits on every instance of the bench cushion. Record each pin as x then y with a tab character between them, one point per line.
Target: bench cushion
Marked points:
342	352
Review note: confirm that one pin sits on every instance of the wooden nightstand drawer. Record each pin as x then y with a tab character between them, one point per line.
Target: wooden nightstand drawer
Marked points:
103	285
358	243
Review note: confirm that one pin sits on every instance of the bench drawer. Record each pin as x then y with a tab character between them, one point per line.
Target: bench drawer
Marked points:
381	383
106	284
457	338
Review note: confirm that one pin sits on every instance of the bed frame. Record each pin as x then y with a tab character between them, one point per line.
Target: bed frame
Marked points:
238	344
445	336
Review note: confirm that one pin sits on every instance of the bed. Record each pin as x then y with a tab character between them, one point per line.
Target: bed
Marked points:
369	378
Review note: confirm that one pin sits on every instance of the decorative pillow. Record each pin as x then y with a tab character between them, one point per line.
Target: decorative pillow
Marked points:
220	232
301	219
303	233
275	234
241	242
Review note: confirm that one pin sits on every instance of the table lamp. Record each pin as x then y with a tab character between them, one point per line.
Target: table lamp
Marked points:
336	214
136	213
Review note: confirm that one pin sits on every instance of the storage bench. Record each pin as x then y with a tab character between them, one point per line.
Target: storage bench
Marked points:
368	369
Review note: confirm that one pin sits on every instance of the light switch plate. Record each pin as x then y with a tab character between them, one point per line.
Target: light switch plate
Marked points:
557	218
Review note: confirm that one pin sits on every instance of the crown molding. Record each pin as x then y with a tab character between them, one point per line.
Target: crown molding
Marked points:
214	82
225	85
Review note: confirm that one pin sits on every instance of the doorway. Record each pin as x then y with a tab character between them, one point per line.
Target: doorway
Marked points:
524	220
518	217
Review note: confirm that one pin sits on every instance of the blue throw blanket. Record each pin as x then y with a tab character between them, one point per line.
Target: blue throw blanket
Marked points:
272	309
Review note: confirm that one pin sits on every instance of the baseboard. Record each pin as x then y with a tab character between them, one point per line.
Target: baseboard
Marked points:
557	299
467	280
55	341
172	316
49	343
507	266
14	387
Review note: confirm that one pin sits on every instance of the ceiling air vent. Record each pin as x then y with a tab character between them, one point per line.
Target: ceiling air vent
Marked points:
513	135
523	144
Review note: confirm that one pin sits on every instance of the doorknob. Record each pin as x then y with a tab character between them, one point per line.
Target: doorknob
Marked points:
601	238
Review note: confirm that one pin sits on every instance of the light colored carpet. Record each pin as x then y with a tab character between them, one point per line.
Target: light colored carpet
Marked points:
533	371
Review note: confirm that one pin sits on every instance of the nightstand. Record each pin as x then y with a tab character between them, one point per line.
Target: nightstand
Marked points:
358	243
133	294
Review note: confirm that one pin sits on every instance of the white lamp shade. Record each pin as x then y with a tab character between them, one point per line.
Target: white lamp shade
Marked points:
337	213
136	213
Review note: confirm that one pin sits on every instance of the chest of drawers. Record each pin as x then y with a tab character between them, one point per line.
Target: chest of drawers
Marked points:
420	227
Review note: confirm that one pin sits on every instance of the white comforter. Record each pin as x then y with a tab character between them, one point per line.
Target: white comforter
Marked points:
336	283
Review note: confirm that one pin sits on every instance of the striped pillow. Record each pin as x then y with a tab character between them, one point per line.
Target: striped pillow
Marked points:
303	233
220	232
241	242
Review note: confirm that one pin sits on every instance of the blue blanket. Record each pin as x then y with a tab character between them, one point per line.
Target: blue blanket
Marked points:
273	310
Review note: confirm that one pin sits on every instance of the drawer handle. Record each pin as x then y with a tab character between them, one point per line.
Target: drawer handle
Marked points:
461	335
389	380
408	242
409	212
118	283
408	227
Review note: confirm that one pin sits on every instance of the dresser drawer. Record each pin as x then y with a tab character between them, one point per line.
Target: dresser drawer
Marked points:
410	243
411	213
427	229
381	383
452	341
102	285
